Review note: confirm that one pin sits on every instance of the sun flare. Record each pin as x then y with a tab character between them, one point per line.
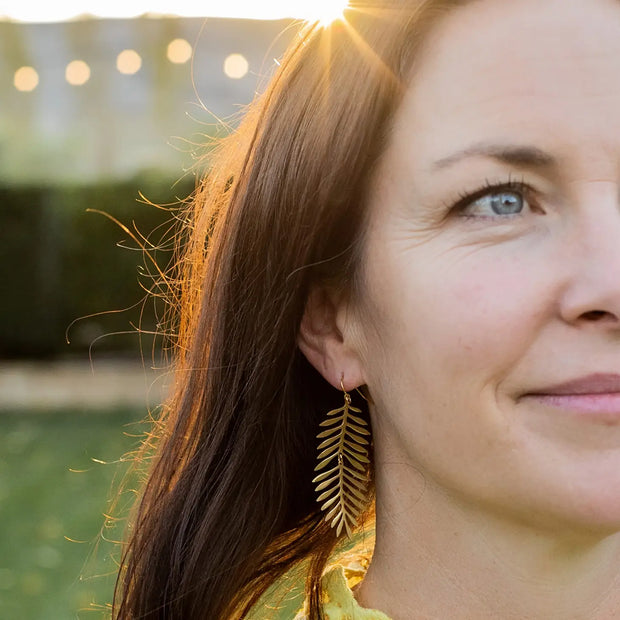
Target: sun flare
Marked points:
326	11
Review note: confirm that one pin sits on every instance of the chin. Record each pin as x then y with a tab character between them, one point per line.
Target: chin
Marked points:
587	512
598	515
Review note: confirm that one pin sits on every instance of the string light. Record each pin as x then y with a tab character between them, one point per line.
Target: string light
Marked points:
179	51
128	62
236	66
26	79
77	73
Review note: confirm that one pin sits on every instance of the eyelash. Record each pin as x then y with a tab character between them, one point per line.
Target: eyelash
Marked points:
466	199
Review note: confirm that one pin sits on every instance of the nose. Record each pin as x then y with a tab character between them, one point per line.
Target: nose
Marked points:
593	295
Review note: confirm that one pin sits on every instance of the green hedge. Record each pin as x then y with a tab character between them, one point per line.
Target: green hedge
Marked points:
61	262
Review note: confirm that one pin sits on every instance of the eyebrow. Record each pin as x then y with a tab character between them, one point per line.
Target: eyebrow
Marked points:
524	156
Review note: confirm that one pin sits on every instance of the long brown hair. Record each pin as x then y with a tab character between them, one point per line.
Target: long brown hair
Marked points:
228	506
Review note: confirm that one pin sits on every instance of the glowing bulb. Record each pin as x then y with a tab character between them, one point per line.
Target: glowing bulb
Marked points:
128	62
26	79
77	73
179	51
236	66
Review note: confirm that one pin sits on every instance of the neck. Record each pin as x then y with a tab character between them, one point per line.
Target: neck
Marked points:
435	557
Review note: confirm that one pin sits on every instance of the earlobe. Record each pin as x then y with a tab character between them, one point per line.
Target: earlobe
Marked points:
324	343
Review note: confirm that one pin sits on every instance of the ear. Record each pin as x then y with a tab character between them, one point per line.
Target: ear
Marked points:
328	338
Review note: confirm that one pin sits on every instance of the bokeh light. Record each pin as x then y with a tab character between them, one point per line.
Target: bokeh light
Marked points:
236	66
128	62
26	79
179	51
77	73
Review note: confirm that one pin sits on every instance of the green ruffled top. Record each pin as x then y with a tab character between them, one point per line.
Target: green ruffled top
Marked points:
339	602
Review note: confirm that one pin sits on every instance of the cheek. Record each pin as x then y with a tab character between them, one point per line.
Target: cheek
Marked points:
447	329
447	335
480	312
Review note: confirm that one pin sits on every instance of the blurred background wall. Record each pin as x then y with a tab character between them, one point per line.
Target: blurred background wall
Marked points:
92	113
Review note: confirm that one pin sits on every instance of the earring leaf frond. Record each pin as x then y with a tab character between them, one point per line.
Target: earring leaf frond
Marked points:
343	488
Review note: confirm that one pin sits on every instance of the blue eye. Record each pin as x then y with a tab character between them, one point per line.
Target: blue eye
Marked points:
501	200
504	203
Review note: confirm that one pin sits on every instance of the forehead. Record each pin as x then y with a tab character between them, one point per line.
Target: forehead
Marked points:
521	70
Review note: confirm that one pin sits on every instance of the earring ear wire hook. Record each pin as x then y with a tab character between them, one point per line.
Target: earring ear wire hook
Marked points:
356	389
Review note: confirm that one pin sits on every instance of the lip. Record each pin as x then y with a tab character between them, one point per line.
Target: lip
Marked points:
595	396
598	383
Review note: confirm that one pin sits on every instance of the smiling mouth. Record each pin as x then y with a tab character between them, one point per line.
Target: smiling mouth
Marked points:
595	396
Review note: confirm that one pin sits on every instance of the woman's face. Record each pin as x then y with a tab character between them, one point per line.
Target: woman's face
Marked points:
492	265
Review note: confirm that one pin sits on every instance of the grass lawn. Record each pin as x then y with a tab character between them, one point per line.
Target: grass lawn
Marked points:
54	560
57	475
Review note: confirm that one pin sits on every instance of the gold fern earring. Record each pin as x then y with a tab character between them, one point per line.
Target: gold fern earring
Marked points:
343	488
